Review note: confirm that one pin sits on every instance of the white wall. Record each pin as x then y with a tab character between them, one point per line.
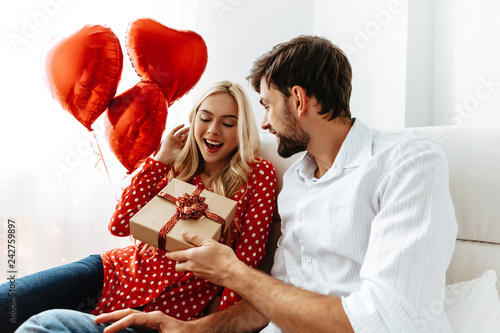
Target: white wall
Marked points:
466	70
239	31
453	72
373	33
420	64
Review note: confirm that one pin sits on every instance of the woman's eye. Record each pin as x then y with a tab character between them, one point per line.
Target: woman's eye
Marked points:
228	125
205	119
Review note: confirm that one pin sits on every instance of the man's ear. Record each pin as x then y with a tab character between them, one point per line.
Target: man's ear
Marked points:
299	99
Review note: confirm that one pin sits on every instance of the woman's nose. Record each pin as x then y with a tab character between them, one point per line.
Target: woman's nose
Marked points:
214	129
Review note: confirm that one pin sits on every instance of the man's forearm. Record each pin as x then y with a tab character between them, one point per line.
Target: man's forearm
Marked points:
240	317
291	308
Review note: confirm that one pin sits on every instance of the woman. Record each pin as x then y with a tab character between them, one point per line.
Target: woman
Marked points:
218	153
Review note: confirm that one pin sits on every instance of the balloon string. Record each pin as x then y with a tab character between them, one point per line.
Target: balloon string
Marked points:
101	156
121	183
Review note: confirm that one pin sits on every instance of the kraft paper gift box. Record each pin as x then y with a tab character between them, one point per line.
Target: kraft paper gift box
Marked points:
162	215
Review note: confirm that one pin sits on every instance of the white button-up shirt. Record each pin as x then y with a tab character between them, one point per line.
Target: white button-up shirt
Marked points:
378	230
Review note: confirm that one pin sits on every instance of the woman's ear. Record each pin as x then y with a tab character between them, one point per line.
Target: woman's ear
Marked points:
299	100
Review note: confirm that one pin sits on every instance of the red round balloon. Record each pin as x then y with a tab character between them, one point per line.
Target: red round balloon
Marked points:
174	59
135	123
83	71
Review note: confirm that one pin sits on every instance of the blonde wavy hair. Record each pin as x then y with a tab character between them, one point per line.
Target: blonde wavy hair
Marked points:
189	162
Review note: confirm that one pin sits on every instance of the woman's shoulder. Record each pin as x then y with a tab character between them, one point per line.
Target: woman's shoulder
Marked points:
262	168
262	164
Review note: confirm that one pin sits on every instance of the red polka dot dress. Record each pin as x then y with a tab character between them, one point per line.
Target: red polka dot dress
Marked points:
149	281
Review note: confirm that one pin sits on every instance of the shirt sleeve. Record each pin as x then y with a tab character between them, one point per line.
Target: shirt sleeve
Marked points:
402	278
278	270
251	245
143	187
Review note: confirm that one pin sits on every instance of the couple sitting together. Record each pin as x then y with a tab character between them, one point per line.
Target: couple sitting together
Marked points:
368	226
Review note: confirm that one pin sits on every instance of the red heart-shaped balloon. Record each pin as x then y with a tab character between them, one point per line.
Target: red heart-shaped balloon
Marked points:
135	123
83	71
174	59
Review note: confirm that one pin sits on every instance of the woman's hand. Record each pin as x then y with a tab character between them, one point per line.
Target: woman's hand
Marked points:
172	145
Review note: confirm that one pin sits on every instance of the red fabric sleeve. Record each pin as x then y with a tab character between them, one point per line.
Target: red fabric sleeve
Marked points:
143	187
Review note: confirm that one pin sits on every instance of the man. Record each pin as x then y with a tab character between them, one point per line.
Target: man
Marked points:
368	226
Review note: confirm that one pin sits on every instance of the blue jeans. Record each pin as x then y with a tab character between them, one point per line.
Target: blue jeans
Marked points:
64	321
76	286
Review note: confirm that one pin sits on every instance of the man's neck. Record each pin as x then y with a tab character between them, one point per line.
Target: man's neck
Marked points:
326	142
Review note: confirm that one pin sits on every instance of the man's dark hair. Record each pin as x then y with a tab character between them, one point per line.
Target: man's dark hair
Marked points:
313	63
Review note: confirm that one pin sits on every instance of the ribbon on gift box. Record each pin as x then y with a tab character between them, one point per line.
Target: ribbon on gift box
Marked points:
189	206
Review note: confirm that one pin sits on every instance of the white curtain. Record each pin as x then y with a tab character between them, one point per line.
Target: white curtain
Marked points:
53	183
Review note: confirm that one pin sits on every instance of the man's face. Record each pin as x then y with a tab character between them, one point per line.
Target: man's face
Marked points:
280	121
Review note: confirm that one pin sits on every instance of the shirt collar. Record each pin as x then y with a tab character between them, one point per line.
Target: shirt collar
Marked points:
355	150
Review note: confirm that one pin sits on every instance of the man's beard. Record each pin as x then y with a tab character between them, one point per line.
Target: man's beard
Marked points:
295	140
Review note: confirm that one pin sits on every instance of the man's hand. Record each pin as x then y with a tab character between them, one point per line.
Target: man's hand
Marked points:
144	321
210	260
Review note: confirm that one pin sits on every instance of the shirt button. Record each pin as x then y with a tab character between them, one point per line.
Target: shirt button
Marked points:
308	260
299	217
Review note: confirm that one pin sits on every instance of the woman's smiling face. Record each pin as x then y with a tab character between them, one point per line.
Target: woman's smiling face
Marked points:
216	130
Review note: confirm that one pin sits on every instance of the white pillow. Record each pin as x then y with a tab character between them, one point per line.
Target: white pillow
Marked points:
473	306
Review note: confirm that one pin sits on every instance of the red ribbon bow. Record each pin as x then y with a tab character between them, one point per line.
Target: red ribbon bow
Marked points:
188	207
